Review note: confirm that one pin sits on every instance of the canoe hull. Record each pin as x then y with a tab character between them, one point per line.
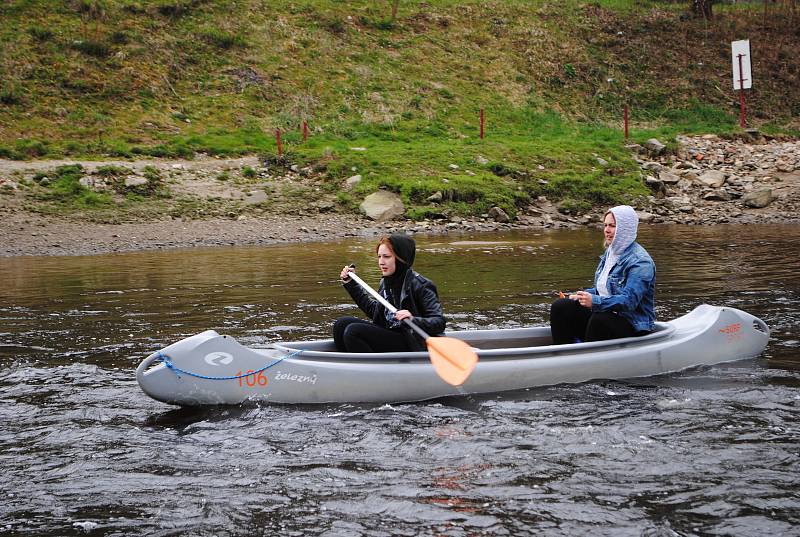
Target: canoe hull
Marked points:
208	369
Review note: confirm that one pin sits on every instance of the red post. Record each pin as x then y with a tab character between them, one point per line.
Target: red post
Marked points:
278	140
305	131
626	123
481	123
742	120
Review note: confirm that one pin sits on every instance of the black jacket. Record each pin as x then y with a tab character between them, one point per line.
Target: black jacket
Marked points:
418	295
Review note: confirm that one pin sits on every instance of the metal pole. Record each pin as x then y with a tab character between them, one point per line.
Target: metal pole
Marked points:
742	120
481	123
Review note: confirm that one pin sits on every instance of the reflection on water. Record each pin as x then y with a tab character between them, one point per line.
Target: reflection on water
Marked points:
710	451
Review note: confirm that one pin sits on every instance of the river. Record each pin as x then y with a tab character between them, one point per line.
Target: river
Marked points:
710	451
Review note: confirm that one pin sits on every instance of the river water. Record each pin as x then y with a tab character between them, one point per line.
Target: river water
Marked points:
711	451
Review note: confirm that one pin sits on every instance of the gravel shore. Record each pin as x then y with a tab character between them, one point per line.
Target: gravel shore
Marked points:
709	181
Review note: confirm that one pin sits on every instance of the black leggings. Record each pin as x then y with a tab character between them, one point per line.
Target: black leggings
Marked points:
357	335
569	322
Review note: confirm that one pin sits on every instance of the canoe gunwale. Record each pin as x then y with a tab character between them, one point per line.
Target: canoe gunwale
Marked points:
663	331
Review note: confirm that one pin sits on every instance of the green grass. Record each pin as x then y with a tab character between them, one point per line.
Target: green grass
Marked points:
66	191
172	78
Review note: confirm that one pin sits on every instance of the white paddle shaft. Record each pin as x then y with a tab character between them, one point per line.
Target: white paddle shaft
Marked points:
373	292
386	304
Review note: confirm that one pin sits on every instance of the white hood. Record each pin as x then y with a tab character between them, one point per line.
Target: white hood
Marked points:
627	226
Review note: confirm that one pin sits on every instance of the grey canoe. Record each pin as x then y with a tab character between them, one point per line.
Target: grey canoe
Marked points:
212	369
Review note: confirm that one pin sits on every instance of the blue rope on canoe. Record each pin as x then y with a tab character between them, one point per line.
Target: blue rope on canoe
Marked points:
167	361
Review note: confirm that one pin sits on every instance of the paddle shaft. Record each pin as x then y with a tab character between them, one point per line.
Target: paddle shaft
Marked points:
388	305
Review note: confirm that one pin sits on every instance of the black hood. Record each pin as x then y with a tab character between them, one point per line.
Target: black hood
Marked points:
405	249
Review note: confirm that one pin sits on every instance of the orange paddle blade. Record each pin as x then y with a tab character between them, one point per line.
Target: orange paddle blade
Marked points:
452	359
561	294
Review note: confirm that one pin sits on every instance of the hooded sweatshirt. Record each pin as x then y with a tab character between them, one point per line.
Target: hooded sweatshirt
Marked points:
421	296
405	249
627	226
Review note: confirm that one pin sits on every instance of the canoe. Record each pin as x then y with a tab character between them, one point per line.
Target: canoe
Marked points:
212	369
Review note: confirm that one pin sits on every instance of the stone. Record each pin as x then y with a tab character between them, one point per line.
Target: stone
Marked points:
382	206
758	199
712	178
668	177
87	181
132	181
351	182
436	197
644	216
656	185
652	166
326	206
254	197
655	147
717	195
499	215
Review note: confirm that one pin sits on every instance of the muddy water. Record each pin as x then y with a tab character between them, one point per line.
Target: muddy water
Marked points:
713	451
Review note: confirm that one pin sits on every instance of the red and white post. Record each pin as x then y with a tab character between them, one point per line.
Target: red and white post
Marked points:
742	74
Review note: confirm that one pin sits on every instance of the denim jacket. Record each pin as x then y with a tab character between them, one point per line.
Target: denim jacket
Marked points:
631	285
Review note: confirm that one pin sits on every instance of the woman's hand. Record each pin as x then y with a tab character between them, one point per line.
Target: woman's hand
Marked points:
403	314
345	271
583	298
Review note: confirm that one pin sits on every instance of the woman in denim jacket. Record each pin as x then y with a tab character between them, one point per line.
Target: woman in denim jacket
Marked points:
622	301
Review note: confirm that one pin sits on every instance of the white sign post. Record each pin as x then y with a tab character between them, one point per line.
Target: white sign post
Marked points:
742	72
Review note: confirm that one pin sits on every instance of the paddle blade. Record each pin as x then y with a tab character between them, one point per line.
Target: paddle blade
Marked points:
452	359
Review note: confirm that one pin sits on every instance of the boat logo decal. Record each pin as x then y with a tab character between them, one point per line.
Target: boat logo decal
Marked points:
732	331
218	358
310	379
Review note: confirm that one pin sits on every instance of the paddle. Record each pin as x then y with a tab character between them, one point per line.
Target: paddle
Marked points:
452	358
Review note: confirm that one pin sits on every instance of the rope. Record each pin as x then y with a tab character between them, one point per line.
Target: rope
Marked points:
177	370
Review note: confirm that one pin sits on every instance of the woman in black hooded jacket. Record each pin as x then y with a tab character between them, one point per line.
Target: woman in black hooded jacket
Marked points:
414	296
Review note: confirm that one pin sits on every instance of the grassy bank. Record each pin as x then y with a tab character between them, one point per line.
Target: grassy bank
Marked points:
128	78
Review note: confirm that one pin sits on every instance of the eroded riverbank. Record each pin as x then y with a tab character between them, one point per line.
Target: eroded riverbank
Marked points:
708	181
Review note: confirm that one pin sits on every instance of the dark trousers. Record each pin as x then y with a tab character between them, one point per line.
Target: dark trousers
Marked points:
569	321
357	335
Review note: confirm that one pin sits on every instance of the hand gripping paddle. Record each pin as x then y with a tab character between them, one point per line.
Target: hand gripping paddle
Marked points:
452	358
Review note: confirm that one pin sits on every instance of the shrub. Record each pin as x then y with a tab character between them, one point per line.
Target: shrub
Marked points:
573	206
31	148
40	34
10	95
224	40
112	171
95	9
90	47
